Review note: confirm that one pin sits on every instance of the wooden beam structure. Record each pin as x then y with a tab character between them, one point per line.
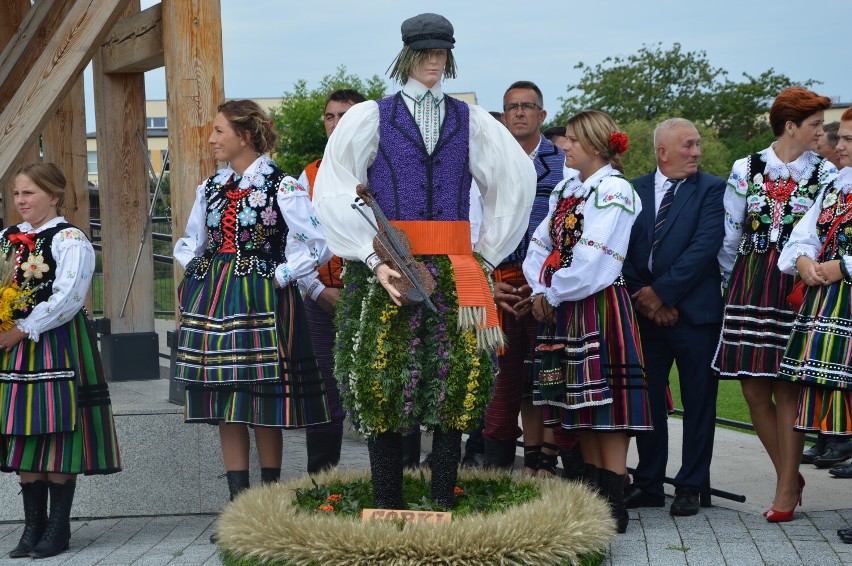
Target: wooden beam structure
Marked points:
192	38
53	74
124	195
135	44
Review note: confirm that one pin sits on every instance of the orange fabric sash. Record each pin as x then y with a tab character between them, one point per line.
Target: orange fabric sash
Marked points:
452	238
514	276
311	170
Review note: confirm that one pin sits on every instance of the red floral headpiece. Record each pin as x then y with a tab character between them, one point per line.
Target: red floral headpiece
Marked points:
618	142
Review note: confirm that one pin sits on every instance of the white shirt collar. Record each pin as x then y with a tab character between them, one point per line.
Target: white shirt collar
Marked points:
534	152
800	169
660	179
596	177
27	227
844	179
254	175
415	89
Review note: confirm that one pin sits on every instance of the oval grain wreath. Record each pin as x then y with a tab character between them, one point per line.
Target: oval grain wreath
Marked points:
569	524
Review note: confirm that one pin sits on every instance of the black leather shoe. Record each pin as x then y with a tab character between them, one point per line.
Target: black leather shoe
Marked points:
686	502
841	471
845	535
634	498
814	451
835	453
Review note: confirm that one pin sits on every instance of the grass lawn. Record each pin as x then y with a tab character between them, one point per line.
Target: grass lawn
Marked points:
730	403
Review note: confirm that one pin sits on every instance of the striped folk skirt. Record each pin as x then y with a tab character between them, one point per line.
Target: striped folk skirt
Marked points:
55	411
244	352
592	366
757	321
819	356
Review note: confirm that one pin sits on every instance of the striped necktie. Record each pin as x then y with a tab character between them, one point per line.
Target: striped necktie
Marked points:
665	205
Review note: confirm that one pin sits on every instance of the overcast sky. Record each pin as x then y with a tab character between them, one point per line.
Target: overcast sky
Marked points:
269	44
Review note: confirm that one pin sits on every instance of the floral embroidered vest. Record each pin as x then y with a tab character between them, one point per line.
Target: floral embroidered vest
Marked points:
36	267
836	203
245	222
565	230
774	205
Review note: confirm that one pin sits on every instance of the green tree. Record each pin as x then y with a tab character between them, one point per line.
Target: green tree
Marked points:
655	82
299	117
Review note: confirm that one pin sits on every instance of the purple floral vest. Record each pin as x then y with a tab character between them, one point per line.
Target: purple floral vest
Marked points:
408	182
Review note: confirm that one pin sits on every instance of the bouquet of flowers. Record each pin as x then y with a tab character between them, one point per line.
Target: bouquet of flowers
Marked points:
13	298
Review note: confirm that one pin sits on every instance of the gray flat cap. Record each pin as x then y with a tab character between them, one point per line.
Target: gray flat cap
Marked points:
428	31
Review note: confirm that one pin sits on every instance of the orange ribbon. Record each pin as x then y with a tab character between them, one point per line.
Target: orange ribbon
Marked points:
25	239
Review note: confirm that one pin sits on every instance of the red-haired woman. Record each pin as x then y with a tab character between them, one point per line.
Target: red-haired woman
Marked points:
767	194
819	354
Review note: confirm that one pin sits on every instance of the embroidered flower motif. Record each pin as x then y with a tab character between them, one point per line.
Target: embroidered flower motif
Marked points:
71	234
257	198
34	267
314	221
826	216
244	236
829	200
213	218
247	217
755	203
300	237
571	221
801	205
758	179
268	216
291	187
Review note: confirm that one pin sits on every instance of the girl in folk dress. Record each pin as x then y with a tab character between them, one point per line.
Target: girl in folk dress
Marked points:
767	193
55	412
589	359
244	351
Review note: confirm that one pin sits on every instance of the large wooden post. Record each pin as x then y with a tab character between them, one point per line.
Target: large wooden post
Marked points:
192	41
11	18
64	143
123	191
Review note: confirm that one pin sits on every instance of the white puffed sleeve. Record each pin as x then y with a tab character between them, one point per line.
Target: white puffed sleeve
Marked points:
506	179
306	248
75	263
735	209
194	241
540	246
803	239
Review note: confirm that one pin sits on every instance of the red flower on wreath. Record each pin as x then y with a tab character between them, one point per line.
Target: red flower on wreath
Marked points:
618	142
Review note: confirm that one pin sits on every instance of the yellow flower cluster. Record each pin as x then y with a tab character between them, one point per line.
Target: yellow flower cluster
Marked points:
10	299
469	338
380	363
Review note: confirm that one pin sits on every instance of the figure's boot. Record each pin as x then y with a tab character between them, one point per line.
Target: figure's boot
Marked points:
238	481
612	485
446	453
572	463
386	470
499	454
270	475
592	476
323	450
57	535
35	517
411	450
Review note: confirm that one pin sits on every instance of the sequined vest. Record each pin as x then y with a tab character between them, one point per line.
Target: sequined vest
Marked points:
36	269
549	164
407	181
252	228
774	204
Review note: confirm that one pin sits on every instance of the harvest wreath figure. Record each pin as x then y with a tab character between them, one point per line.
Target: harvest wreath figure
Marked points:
499	519
403	366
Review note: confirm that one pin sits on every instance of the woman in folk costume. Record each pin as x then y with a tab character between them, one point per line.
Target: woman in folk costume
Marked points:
589	359
54	403
819	354
243	349
403	366
767	194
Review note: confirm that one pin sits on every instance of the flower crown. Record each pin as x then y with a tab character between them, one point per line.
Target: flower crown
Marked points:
618	142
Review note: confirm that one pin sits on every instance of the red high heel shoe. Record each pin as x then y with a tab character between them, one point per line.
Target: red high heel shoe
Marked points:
774	516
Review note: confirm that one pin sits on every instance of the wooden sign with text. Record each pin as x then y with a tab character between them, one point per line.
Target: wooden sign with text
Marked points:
429	517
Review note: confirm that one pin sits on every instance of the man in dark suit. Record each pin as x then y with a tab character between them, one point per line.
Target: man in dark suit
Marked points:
673	275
